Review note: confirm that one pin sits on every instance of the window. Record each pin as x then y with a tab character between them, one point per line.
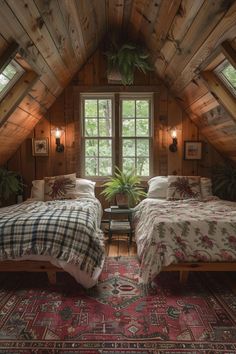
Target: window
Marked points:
126	145
97	136
227	73
136	134
9	76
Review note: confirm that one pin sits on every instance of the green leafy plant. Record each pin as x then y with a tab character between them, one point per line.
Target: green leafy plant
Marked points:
224	182
125	58
9	184
127	184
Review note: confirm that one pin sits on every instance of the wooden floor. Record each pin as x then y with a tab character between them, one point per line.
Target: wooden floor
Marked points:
119	246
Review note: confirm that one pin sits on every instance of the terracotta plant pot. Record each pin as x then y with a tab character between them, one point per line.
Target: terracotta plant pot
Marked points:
122	200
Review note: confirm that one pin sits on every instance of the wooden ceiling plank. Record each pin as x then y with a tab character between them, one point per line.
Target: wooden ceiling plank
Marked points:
87	19
115	14
72	22
41	94
206	20
100	15
30	105
150	14
128	4
11	28
192	93
166	15
136	17
3	45
29	17
226	29
19	117
52	17
16	94
181	24
218	88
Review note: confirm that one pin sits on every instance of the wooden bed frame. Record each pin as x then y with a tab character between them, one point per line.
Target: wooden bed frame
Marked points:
51	270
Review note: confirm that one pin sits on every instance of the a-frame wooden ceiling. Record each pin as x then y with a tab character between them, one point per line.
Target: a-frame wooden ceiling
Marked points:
56	37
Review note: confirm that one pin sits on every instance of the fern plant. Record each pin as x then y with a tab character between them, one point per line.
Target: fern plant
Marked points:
127	184
9	184
224	182
126	58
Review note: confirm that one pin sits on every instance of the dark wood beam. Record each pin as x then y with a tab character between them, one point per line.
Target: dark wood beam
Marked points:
8	55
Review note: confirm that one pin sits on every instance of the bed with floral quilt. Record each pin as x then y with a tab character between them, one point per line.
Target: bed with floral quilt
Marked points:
52	236
185	235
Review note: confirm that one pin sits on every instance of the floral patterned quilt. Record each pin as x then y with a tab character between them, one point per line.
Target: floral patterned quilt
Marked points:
183	231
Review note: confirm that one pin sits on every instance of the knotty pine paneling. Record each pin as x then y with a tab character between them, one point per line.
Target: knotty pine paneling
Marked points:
65	113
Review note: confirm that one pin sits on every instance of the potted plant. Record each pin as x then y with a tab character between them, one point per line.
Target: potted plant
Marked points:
123	59
224	181
125	187
10	184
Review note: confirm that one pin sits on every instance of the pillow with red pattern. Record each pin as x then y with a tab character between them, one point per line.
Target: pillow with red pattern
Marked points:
60	187
183	187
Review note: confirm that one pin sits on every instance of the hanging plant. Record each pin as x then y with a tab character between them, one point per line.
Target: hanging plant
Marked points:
124	58
10	184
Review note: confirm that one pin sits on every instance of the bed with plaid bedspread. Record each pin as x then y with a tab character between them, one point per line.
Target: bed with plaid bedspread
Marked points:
67	230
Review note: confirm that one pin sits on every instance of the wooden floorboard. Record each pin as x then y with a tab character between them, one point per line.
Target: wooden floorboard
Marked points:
119	246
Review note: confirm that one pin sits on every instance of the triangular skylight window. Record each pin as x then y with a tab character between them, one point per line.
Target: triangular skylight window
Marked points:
9	76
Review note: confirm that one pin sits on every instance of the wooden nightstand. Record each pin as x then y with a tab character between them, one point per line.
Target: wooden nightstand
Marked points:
120	226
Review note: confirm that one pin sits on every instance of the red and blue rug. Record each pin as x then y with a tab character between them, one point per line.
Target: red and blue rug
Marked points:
116	317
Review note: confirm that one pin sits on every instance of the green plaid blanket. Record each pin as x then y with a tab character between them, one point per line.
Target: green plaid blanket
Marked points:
64	229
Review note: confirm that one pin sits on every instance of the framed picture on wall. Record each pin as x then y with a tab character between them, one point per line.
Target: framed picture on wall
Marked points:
192	150
40	147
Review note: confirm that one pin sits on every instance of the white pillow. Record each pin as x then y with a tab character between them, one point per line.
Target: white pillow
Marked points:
206	187
157	187
37	190
84	188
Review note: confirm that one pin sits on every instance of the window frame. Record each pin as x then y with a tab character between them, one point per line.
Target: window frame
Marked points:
137	96
218	71
116	128
96	96
19	73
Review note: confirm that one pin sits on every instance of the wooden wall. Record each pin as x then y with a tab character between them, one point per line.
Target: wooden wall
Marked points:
65	112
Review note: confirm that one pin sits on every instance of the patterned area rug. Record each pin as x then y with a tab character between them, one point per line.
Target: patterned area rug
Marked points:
116	316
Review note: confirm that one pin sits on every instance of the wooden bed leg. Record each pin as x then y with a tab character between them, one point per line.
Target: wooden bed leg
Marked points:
183	276
52	277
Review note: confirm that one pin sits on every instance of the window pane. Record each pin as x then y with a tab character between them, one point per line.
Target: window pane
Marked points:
90	108
91	168
128	127
142	127
142	109
91	127
105	108
105	165
91	147
104	127
128	109
142	147
3	82
143	166
129	147
9	71
128	164
105	148
230	73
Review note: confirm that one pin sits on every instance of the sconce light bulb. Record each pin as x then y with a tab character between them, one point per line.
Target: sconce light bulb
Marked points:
174	134
57	133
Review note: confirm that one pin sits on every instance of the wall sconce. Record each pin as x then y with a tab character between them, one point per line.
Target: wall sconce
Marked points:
58	133
173	147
